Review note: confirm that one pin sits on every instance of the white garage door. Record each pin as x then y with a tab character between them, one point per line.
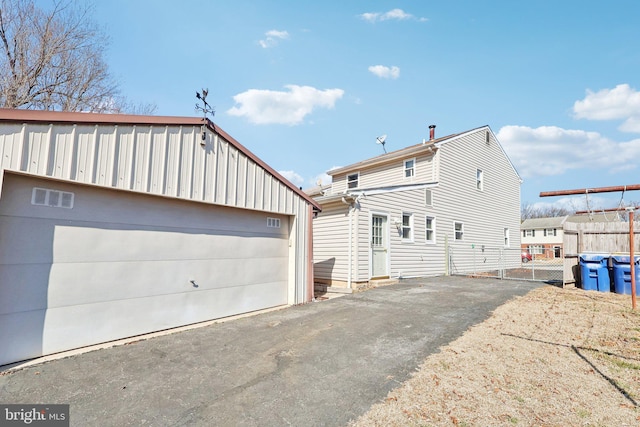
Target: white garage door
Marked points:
82	265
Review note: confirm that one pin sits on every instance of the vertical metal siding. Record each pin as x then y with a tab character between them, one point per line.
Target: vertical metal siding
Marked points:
163	160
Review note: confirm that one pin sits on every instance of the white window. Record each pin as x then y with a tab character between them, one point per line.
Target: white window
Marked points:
507	242
428	199
458	229
273	222
409	168
52	198
536	249
550	232
479	179
430	229
407	227
352	180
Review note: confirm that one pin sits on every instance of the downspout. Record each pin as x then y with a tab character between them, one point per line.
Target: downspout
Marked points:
349	252
310	284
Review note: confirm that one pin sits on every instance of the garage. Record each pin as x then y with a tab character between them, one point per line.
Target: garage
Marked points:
83	264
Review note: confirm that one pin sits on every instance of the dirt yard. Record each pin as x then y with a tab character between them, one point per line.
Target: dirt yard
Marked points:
555	357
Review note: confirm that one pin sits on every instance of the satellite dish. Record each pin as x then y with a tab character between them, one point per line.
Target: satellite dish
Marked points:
380	140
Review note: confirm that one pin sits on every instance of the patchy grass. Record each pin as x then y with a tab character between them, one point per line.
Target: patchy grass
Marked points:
555	357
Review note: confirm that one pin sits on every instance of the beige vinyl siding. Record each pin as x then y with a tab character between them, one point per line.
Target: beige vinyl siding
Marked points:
409	259
484	213
424	168
339	183
331	242
363	243
389	174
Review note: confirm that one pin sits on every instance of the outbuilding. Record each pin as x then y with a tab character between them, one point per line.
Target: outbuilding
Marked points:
113	226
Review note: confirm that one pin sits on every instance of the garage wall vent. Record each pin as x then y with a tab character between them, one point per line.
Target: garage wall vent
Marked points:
52	198
273	222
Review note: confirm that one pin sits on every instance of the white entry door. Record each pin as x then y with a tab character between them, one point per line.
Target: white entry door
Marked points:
379	246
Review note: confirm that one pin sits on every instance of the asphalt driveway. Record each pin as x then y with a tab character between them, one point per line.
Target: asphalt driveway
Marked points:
321	363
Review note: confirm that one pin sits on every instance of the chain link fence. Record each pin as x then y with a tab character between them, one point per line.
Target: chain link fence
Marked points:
545	265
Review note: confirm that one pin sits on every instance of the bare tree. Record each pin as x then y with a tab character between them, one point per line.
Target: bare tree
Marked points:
54	59
528	211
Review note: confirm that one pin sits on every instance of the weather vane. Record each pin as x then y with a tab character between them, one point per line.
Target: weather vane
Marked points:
207	108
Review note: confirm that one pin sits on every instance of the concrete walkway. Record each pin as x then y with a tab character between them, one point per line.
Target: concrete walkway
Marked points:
322	363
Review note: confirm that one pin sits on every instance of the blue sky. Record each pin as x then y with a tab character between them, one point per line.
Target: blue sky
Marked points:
309	85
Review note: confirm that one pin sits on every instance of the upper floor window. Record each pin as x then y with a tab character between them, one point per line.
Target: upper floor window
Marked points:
430	228
479	179
407	226
550	232
352	180
409	168
458	229
528	233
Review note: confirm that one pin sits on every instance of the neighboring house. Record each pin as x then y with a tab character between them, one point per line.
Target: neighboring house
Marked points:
424	210
114	225
543	237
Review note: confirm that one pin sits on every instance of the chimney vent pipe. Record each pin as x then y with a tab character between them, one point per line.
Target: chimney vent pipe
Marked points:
432	132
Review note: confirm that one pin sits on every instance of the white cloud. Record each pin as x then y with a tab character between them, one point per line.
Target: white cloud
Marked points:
292	176
282	107
385	72
621	102
323	179
394	14
550	150
273	38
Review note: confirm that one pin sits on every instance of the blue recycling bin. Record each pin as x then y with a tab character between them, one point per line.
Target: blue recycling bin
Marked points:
594	272
622	274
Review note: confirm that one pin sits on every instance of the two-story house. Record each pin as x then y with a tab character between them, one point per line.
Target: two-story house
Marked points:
542	237
418	211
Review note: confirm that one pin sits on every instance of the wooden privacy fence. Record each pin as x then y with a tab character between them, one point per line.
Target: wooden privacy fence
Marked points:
607	238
